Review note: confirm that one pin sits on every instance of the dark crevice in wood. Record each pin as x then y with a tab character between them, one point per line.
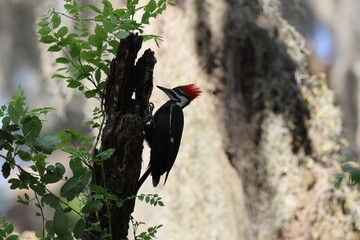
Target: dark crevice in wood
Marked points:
126	100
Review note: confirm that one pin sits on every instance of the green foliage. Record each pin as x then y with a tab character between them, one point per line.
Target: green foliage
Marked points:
350	174
6	231
86	53
22	140
85	59
152	199
148	235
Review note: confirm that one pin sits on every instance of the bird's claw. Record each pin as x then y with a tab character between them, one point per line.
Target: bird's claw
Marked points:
149	116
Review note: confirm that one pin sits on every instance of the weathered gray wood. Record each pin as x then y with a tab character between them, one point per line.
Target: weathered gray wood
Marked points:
126	100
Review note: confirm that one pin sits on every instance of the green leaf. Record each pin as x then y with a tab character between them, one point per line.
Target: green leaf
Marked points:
38	188
145	18
62	32
151	6
106	154
108	9
84	55
75	185
73	83
54	48
79	228
62	60
90	93
113	197
47	39
50	228
14	114
31	128
129	25
98	189
69	39
58	76
15	183
98	196
40	164
12	128
77	167
61	225
108	25
19	98
44	30
95	41
75	50
115	45
43	21
92	206
98	75
46	144
92	7
12	237
119	12
39	111
104	67
56	20
6	169
53	173
100	32
5	135
50	200
9	228
24	155
68	7
122	34
67	210
85	69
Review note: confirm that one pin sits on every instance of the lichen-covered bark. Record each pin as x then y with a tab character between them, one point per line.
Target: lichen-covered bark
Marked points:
344	74
124	131
262	113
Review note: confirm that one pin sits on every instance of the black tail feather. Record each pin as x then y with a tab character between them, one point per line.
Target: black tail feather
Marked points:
155	179
143	178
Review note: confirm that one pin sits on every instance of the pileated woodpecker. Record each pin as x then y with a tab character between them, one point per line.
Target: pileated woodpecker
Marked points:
163	132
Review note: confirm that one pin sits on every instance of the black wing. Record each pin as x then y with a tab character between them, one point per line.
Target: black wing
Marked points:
176	129
167	130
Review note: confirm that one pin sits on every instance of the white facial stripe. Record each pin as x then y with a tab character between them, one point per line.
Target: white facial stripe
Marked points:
173	96
183	101
171	108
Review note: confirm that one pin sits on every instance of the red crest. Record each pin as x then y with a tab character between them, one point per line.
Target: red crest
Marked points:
192	91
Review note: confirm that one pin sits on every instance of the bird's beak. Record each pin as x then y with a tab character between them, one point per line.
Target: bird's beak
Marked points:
165	90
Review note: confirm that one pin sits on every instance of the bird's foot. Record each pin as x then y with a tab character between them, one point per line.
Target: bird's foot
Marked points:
149	116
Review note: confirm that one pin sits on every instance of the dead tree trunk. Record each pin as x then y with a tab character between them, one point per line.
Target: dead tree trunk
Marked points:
126	100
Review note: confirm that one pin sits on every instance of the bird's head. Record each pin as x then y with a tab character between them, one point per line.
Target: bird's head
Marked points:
182	95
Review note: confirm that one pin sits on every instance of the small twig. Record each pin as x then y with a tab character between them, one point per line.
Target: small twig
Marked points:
42	215
78	19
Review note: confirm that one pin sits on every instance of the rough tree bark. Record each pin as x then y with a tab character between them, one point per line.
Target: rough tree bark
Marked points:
126	101
345	72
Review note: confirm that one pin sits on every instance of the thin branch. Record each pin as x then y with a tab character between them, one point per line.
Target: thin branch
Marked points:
78	19
42	215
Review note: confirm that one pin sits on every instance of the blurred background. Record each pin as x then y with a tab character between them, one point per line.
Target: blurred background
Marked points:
331	32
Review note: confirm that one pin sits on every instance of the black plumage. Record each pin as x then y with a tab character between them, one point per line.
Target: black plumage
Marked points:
164	144
164	131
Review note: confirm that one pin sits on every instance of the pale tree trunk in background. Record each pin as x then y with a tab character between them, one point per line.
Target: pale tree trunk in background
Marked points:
342	17
259	145
261	114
